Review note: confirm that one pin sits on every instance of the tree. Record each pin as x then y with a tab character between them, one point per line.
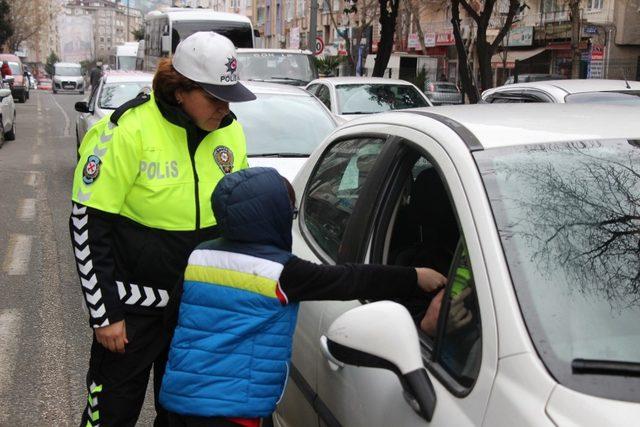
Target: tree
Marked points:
138	34
483	48
6	26
388	17
28	17
51	60
574	10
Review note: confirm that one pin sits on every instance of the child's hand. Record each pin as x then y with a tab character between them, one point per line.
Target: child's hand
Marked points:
430	280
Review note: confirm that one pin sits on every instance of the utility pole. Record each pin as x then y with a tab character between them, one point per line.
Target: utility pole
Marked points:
313	26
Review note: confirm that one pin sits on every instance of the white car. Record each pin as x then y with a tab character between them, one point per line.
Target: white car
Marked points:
532	212
282	126
351	97
7	114
586	91
115	88
287	66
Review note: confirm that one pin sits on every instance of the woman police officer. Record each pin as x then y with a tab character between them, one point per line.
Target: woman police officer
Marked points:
141	203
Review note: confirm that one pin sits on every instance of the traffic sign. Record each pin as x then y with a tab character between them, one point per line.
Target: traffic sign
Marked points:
319	47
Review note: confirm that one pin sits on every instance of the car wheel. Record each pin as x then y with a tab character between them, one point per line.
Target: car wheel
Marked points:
23	98
11	135
55	91
28	94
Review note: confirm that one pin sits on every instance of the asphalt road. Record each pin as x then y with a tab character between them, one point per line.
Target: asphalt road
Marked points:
44	333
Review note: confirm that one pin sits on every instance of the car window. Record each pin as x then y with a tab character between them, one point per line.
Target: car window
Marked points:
113	95
307	124
375	98
283	67
333	190
312	88
511	99
422	230
324	95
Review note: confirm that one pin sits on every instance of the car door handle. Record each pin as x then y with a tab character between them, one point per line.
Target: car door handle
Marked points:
334	363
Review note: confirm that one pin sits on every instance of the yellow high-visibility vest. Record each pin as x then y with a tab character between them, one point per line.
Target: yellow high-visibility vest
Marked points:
142	169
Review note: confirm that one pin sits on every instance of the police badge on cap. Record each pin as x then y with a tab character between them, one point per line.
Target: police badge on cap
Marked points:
223	157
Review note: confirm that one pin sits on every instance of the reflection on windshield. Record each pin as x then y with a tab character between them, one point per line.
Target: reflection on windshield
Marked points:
628	97
283	123
569	220
114	95
68	71
283	67
374	98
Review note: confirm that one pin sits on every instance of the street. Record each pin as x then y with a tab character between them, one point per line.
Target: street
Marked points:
44	332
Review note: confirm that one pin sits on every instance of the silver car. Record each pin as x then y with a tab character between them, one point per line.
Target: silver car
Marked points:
7	114
350	97
532	213
443	93
115	88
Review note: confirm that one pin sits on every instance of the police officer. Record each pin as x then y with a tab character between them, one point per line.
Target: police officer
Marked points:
141	203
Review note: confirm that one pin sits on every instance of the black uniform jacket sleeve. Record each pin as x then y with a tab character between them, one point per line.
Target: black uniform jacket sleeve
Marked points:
302	280
91	236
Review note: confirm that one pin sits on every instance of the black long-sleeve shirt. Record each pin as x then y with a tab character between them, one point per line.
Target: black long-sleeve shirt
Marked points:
302	280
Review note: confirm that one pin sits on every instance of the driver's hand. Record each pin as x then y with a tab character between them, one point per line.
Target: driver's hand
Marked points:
430	280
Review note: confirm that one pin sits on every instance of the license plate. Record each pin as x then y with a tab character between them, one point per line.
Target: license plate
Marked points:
67	86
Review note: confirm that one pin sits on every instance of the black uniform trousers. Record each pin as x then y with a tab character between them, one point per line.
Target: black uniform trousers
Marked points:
117	382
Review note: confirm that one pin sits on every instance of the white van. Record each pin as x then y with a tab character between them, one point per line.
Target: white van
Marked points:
127	56
164	30
67	77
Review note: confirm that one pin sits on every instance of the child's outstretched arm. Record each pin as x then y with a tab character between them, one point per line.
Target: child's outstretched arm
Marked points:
304	281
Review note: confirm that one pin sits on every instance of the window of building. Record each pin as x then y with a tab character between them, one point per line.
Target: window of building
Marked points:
594	4
300	9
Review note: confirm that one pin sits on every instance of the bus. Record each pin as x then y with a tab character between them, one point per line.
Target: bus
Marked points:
165	29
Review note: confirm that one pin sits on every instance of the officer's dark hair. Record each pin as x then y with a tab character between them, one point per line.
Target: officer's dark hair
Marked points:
167	81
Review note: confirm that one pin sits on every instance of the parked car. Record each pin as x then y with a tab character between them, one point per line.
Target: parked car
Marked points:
115	88
531	212
7	114
589	91
45	84
443	93
525	78
68	77
282	126
350	97
289	66
20	84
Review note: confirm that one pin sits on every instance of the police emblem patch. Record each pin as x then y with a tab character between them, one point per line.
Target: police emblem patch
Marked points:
223	157
91	169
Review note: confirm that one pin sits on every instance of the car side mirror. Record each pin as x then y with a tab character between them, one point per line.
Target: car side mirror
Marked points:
4	93
82	107
383	335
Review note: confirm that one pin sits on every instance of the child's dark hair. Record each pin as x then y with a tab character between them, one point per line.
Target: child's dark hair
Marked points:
290	190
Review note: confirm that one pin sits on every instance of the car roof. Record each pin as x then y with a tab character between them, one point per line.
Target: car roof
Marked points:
502	125
570	86
9	57
359	80
116	76
275	88
254	50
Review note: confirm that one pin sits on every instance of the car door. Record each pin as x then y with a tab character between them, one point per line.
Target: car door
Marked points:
461	367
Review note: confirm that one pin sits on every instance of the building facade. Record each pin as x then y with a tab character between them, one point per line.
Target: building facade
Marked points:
112	24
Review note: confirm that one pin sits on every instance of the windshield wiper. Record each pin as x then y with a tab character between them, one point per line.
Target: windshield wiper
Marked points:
605	367
289	78
361	112
278	155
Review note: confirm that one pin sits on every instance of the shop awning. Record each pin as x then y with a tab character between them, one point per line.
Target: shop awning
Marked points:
497	60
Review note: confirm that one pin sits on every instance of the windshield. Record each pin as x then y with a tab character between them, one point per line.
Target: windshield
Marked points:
445	87
374	98
68	71
629	97
127	62
569	221
15	68
114	95
294	68
240	33
283	124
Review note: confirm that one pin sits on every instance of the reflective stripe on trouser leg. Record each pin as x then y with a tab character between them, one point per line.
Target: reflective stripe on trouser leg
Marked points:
92	405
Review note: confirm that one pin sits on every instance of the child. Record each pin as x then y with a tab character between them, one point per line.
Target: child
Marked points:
229	356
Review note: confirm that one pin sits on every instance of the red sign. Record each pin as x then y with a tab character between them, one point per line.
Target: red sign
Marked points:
445	38
597	52
319	47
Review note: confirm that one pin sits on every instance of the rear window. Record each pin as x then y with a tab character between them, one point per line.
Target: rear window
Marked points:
281	67
375	98
626	97
446	87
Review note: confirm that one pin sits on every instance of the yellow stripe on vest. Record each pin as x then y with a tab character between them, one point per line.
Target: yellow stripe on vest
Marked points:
232	279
